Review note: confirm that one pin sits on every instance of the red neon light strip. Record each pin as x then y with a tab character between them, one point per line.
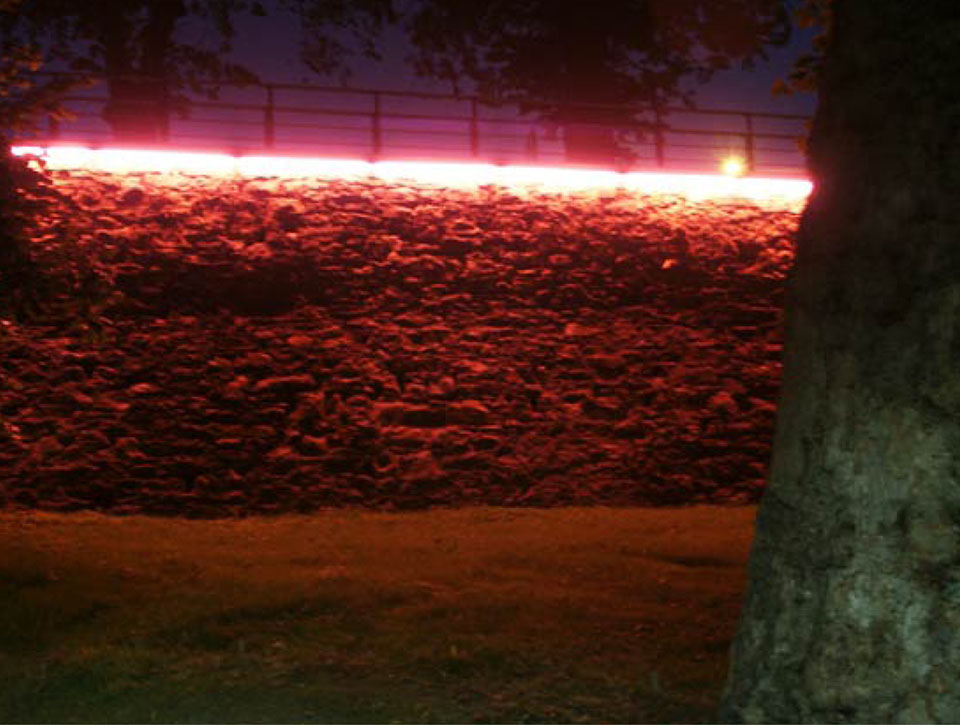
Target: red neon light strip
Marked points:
700	186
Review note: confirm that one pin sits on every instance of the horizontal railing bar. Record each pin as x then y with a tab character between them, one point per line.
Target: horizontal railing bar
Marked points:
702	132
217	122
726	112
326	127
431	133
308	127
423	117
259	108
777	150
384	92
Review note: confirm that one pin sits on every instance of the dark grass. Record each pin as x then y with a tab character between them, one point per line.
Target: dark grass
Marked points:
472	615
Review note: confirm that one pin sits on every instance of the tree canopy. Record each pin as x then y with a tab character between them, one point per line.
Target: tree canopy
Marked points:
573	62
803	77
23	191
135	45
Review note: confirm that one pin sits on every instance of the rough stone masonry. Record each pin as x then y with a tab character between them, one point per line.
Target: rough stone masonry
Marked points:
232	346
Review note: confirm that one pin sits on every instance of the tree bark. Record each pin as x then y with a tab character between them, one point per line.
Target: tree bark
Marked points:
853	608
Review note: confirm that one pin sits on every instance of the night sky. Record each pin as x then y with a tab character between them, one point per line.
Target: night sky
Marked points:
269	46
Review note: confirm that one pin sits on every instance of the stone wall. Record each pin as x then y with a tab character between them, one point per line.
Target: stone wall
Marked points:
257	346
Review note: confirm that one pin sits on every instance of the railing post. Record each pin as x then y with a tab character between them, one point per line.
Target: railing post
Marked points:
749	142
269	122
377	128
659	140
474	128
53	127
533	150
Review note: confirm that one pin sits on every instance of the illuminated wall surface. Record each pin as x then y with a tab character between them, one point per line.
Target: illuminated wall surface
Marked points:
447	174
396	336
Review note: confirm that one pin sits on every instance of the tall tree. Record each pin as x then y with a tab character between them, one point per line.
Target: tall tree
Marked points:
132	45
853	607
577	63
148	66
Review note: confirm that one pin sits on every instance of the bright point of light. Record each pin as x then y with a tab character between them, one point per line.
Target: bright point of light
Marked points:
469	175
734	166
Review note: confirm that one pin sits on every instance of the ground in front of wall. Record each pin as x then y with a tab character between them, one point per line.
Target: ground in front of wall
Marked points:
450	615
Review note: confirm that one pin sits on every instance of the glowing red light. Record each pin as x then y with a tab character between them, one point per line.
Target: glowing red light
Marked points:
697	186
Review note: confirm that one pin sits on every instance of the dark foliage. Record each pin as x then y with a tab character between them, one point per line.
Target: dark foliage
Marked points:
24	192
803	77
150	69
576	63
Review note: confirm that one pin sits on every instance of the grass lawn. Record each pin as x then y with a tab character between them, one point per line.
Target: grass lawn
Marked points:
469	615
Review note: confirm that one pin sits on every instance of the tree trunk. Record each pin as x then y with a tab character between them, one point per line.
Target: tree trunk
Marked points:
590	142
853	608
137	71
136	109
587	105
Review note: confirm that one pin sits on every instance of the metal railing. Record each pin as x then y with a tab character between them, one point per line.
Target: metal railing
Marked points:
385	124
